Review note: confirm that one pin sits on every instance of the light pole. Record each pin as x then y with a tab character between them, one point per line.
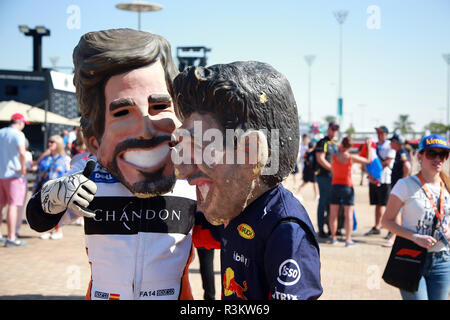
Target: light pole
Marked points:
340	16
446	57
37	34
309	60
139	6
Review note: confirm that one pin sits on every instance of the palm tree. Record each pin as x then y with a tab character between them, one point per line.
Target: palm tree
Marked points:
330	118
404	124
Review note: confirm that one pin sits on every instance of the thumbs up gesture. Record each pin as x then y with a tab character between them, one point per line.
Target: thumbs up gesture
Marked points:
73	192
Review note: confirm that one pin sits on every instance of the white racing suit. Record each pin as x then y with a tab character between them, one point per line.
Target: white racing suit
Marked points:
137	248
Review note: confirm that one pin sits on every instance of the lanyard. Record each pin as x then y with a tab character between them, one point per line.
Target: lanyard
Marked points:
440	212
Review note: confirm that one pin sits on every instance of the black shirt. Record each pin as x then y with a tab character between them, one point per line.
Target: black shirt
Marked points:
401	156
329	147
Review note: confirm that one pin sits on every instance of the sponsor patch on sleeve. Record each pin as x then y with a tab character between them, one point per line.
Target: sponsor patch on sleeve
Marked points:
289	272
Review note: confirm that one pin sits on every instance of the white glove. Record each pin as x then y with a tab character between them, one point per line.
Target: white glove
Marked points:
73	192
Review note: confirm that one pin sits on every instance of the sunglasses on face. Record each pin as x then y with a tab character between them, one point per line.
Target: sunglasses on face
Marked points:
432	154
51	141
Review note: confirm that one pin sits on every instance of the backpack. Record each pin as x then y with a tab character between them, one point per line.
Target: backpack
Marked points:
310	160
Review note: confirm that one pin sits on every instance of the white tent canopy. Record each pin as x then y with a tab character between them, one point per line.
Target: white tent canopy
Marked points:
32	114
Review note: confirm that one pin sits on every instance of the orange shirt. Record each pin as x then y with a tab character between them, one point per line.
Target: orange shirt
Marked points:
342	172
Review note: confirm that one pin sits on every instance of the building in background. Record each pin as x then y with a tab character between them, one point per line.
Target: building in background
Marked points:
44	89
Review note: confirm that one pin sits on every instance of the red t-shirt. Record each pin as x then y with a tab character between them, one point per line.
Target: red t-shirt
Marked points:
342	172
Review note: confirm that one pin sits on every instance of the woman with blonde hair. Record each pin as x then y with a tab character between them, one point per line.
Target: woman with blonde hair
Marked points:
424	201
54	164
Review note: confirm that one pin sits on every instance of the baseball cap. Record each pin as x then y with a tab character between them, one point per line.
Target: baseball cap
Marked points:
398	138
382	128
333	124
19	116
433	141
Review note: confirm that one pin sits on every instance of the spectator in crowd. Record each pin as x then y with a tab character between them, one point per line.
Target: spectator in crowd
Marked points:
79	152
379	190
30	168
13	169
52	166
401	169
423	200
65	137
342	192
300	159
79	145
309	164
304	147
402	162
71	138
325	149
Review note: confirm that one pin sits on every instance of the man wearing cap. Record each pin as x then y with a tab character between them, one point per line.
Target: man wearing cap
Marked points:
402	161
325	149
379	190
12	175
401	169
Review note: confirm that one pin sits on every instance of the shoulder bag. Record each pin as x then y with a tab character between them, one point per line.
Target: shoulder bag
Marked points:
407	259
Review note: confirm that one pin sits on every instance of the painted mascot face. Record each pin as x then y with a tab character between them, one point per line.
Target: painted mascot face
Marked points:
139	122
223	188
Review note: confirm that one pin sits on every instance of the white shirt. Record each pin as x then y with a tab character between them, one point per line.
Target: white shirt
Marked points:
10	140
72	137
417	211
301	156
385	151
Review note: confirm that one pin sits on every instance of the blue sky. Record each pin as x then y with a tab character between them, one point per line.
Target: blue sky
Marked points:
395	69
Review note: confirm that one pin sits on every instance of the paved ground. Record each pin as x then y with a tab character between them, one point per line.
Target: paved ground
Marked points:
58	269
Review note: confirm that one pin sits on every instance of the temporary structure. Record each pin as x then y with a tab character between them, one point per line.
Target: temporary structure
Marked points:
32	114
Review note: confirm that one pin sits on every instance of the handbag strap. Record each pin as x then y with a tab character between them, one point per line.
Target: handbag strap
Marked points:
439	211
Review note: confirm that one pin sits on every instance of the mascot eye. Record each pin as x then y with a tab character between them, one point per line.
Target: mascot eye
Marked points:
160	106
121	113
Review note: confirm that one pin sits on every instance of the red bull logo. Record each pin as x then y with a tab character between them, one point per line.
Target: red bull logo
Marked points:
230	286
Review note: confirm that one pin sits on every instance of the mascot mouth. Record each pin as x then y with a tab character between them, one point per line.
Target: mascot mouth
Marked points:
147	158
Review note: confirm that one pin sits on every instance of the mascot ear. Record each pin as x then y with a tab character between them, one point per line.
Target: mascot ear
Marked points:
92	145
254	143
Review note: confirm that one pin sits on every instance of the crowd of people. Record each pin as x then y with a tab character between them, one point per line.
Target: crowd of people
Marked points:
17	163
414	206
132	100
328	165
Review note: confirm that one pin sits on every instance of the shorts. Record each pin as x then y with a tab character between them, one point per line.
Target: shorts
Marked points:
342	194
309	174
13	191
379	195
295	169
